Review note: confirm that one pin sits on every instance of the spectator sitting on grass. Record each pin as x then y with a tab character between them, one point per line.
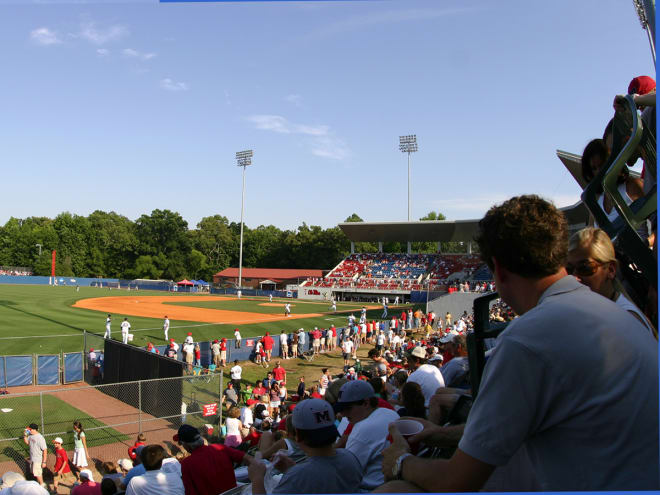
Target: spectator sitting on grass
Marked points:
155	480
326	470
230	397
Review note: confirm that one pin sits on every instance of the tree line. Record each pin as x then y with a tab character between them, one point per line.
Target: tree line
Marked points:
162	246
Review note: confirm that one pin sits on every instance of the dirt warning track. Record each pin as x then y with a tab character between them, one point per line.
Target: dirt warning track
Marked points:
155	307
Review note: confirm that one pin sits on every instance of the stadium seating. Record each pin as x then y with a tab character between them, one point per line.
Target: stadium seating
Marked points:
408	272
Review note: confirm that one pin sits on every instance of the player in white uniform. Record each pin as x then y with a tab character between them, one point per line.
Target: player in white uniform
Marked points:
270	298
333	308
287	309
396	300
107	327
125	327
384	310
166	328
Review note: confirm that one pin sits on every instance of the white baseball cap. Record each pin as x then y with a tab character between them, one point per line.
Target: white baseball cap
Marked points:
58	440
86	473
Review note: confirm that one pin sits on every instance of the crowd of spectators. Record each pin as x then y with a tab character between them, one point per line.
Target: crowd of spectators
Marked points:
408	272
15	271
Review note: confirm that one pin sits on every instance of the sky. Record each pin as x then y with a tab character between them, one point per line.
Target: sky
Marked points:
131	106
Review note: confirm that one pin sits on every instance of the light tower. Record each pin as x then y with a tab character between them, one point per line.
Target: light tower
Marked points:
243	159
408	144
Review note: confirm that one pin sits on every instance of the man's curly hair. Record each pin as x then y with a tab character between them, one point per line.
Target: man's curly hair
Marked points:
526	234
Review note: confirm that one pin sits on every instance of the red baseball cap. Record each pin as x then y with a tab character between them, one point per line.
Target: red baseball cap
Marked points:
189	333
641	85
252	401
215	341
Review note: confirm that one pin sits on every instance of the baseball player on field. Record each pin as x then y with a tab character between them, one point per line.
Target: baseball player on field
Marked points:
125	327
107	327
166	327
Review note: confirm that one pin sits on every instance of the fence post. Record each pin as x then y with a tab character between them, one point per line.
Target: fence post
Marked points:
222	375
41	408
140	406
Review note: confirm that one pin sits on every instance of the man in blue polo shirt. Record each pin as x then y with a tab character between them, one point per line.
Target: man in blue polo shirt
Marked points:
572	382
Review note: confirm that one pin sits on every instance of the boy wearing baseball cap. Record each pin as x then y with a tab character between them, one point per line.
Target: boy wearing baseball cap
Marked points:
61	470
326	470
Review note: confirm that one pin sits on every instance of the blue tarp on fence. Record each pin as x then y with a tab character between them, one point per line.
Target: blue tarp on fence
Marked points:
19	370
48	370
73	369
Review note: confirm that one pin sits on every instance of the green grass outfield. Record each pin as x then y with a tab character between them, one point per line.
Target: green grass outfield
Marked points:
58	418
41	319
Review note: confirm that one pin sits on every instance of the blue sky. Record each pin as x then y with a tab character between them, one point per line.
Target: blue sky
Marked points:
136	105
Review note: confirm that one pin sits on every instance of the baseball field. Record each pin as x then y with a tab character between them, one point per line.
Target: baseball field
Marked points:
49	320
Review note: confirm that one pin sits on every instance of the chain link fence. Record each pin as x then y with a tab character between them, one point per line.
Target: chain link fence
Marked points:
112	415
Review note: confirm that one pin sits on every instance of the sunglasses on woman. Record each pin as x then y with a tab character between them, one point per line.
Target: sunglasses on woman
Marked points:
584	268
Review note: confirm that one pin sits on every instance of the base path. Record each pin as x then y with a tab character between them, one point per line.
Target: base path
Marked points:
154	307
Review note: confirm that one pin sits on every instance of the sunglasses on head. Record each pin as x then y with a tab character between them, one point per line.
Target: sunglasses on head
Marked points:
584	268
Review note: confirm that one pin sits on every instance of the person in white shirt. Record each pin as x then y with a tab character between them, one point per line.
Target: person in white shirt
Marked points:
237	339
189	355
166	328
189	339
157	479
270	297
125	327
426	375
235	372
284	345
347	350
107	327
358	402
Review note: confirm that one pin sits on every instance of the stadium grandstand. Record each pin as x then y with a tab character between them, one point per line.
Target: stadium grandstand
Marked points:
373	276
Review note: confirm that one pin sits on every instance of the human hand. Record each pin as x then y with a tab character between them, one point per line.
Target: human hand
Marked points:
257	468
391	454
429	430
283	462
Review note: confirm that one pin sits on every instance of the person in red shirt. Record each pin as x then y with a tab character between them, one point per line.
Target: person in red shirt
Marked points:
279	373
258	390
268	345
315	392
223	352
87	484
141	440
62	470
333	338
209	469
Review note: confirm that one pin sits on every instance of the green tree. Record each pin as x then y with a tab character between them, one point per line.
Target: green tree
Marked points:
354	218
165	233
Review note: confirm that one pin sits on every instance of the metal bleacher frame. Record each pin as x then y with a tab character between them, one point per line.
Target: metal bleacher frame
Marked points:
623	230
483	329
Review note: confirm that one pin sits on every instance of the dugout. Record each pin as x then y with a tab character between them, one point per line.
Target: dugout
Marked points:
126	363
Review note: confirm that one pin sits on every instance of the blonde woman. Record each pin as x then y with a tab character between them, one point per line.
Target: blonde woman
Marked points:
591	259
234	428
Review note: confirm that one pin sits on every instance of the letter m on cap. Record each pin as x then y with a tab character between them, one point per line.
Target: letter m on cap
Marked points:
322	417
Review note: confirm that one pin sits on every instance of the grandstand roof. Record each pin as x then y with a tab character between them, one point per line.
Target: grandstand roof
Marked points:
274	274
435	230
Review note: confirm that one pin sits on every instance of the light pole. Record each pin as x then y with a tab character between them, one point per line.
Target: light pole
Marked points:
39	246
408	144
243	159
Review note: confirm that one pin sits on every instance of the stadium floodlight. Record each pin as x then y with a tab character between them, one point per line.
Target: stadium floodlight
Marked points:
243	159
408	144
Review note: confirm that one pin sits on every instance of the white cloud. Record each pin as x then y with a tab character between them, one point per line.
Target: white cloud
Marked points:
273	123
330	147
323	142
170	85
44	36
91	33
129	52
102	52
227	100
294	99
476	207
